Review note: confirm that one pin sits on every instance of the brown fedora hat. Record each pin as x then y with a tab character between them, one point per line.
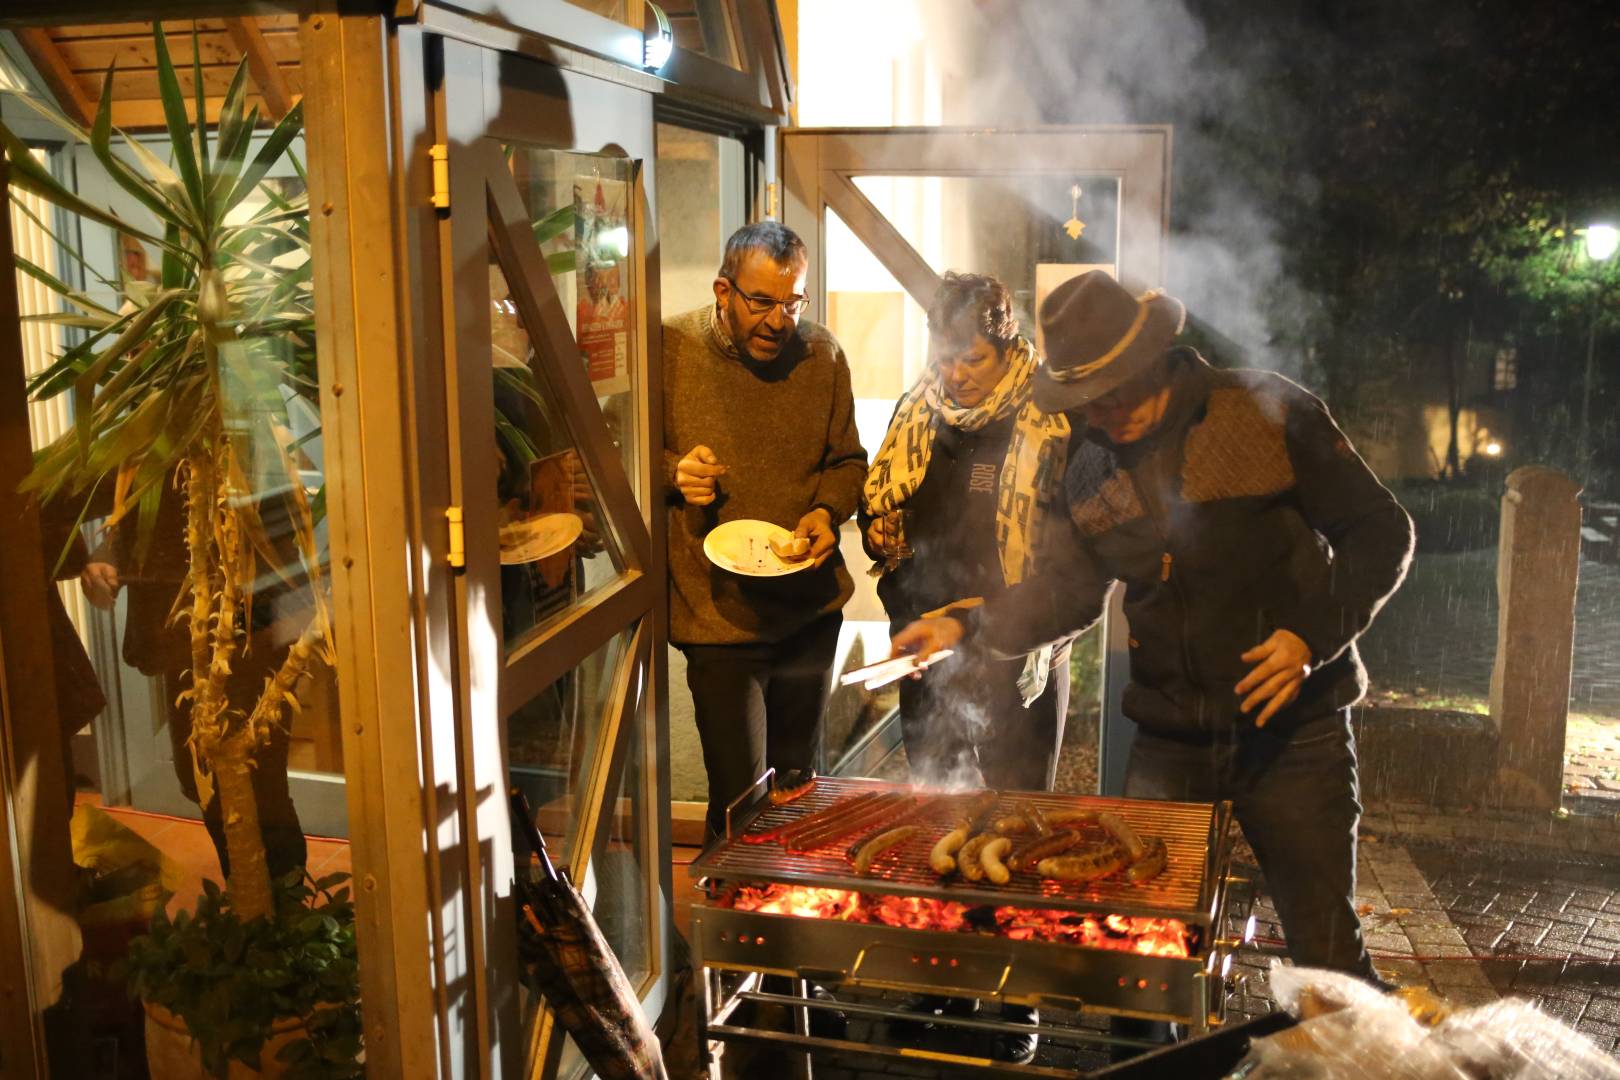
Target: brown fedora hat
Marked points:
1098	336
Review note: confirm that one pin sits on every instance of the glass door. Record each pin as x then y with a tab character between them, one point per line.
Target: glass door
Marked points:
551	329
885	212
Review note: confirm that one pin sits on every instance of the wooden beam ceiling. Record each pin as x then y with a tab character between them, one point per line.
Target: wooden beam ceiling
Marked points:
58	76
73	61
262	65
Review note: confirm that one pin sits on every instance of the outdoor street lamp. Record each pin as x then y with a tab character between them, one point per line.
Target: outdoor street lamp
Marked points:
1601	241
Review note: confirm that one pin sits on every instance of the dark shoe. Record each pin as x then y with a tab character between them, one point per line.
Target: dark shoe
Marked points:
1016	1047
827	1023
928	1008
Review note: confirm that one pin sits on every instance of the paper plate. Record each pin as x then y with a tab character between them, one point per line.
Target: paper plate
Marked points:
535	538
743	547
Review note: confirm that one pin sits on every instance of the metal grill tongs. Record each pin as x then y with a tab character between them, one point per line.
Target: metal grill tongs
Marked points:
885	672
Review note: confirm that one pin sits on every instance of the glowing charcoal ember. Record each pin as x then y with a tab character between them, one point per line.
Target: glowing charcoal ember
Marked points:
804	902
1118	933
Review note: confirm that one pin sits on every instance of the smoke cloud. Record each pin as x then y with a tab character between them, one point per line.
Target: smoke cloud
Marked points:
1151	62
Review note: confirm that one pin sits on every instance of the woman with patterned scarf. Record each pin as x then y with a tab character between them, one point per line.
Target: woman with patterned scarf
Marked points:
953	510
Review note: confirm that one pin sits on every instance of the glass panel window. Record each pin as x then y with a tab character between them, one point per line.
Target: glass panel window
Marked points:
700	189
173	376
552	743
700	204
1031	231
622	871
556	546
582	207
704	26
620	880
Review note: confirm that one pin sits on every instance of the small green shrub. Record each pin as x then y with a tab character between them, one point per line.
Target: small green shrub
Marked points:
230	980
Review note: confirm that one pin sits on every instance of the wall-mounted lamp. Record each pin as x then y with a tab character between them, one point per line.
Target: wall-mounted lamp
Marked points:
660	40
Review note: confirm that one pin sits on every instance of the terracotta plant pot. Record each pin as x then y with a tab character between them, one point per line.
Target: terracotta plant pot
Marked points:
171	1052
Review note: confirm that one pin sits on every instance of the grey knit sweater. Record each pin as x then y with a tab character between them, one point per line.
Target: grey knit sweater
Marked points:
786	430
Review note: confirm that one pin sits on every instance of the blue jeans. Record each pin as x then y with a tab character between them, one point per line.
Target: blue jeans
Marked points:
1296	796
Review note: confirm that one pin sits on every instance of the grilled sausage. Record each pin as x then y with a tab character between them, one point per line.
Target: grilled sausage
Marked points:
1037	820
967	860
990	857
1135	847
1011	825
1093	863
879	812
979	806
787	830
783	796
881	843
1150	865
943	857
1056	818
1044	847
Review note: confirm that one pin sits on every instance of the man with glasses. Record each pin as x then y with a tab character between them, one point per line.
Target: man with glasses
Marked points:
759	422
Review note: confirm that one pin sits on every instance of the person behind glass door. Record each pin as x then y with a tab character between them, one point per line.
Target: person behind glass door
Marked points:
759	422
160	648
971	467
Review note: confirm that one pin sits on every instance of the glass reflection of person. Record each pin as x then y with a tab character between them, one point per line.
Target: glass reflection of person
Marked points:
79	698
156	646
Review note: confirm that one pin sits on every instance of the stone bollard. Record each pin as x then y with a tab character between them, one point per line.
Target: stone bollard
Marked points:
1538	562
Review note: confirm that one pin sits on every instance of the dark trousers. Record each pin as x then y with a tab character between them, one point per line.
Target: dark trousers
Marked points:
284	845
1297	798
759	706
965	724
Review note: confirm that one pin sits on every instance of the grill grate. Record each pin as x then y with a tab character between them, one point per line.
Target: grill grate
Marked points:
1195	836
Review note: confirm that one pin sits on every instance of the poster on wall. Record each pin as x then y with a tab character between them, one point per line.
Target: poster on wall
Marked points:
601	252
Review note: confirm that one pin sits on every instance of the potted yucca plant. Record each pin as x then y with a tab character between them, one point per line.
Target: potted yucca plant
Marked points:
187	383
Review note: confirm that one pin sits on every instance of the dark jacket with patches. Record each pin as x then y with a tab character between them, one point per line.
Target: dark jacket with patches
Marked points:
1246	512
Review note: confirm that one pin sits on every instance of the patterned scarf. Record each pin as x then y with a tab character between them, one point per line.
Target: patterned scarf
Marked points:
1030	473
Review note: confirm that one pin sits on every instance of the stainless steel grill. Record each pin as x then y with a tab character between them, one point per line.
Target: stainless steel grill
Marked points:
1191	832
730	942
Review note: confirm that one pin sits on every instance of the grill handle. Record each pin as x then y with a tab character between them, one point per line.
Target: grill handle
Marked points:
970	972
822	976
763	778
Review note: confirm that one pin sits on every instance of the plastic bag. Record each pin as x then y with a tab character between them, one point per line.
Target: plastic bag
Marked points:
1513	1039
1350	1031
1347	1031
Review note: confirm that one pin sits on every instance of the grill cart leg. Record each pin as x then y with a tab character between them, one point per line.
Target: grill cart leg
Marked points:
801	1027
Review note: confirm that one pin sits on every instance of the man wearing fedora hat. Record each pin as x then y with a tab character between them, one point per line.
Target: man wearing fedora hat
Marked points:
1254	546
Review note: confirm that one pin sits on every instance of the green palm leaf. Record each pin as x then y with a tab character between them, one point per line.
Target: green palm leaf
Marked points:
29	175
274	147
174	115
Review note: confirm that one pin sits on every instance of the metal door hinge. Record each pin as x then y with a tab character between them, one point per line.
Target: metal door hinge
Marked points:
457	556
439	154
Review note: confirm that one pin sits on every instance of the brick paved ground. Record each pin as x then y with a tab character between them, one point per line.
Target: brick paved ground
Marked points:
1481	905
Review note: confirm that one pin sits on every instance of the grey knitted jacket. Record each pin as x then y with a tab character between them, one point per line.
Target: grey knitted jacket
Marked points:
786	430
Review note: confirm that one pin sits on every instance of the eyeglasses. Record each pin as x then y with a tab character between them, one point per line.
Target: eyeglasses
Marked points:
762	305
